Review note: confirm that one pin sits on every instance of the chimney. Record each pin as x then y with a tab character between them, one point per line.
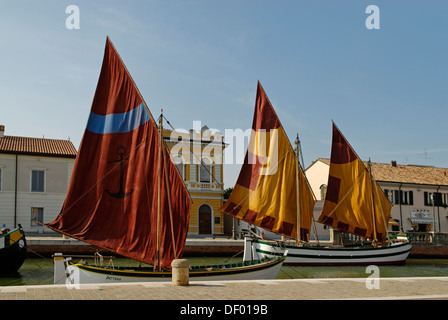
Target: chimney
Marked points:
2	131
393	163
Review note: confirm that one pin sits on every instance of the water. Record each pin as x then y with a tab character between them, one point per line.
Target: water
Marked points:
412	268
39	271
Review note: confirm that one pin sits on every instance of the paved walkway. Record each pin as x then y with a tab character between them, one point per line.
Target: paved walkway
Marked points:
433	288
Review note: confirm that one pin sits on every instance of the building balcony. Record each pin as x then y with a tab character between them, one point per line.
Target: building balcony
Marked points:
203	186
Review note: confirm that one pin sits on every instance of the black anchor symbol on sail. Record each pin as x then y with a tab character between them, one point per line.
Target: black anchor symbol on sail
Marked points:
120	194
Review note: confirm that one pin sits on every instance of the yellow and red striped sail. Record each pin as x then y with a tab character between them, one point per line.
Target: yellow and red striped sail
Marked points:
265	194
354	202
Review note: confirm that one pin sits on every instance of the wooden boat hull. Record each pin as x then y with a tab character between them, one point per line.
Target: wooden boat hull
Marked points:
67	272
12	251
395	254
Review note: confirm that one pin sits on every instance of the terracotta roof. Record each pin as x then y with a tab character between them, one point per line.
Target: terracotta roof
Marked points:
37	146
407	173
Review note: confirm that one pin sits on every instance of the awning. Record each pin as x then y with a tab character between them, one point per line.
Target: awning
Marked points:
393	222
421	220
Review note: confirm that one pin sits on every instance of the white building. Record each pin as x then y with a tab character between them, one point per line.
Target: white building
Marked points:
34	178
419	194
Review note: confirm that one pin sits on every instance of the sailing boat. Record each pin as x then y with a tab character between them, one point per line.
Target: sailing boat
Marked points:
126	195
354	203
12	250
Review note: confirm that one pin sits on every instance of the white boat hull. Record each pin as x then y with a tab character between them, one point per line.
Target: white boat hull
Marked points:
67	272
395	254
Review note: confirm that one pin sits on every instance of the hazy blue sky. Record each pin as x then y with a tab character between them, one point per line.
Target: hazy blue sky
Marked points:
386	89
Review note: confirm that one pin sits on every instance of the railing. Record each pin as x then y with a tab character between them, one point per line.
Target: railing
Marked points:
423	238
343	238
428	238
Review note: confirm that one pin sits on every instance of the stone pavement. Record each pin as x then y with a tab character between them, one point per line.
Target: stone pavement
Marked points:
427	288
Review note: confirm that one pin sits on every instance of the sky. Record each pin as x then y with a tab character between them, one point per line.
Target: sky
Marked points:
200	60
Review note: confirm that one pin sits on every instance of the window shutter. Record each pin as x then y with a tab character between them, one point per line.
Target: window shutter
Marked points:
397	197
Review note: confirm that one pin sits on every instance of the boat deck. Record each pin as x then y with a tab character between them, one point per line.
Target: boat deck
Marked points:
254	291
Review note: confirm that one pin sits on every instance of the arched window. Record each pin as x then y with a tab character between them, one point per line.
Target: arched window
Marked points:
323	191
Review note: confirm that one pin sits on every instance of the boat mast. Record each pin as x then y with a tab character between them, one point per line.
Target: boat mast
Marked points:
375	240
298	238
168	194
159	194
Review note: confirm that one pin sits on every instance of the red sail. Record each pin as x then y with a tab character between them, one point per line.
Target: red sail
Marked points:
112	200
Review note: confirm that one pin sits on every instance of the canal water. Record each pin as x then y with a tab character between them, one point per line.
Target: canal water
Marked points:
39	271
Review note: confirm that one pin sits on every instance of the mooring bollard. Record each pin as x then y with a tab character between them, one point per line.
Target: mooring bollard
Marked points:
180	270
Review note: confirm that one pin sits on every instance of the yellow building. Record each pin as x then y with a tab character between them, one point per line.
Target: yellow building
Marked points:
198	156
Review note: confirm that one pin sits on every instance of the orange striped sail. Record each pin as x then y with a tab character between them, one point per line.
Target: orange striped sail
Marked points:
265	194
354	202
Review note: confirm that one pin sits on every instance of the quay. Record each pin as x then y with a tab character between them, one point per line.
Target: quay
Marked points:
48	245
195	246
242	292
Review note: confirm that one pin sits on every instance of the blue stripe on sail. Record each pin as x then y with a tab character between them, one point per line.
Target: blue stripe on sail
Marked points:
118	122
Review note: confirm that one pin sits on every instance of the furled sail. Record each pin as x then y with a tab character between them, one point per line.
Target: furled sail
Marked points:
265	193
354	202
113	196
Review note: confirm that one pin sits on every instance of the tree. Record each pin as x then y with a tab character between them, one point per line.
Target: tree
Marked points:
227	193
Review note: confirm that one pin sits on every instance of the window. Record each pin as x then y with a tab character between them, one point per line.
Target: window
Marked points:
181	168
389	194
428	198
323	191
437	199
178	161
205	170
37	181
403	197
37	214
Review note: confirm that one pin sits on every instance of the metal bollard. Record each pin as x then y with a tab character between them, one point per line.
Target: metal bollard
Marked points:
180	271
